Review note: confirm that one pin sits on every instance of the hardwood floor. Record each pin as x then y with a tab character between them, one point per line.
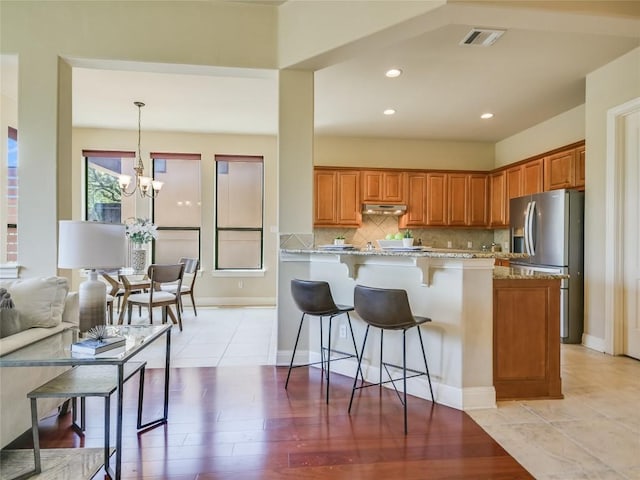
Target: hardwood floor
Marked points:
240	423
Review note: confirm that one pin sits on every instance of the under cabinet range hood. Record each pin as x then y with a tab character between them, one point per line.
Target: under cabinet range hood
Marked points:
383	209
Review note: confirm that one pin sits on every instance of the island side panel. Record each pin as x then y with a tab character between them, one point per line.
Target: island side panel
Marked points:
527	339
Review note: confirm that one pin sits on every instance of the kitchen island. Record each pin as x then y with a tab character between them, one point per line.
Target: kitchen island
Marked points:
452	287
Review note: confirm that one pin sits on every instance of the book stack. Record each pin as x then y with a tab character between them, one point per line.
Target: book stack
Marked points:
92	346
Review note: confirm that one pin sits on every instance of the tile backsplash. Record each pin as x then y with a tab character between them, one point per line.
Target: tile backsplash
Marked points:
376	227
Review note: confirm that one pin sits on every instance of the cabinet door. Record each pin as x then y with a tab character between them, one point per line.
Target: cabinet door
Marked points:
416	188
348	204
392	183
326	197
458	194
559	170
532	178
381	186
372	186
436	199
477	211
498	199
579	175
514	187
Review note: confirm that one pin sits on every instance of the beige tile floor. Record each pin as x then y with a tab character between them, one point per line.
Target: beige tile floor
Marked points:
217	337
593	433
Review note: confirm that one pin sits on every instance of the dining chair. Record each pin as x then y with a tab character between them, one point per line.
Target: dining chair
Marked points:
110	309
191	267
156	297
115	288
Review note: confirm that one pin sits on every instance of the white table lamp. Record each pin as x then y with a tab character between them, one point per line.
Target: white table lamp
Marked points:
91	245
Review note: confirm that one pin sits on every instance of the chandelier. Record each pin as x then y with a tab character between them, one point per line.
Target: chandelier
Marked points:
146	186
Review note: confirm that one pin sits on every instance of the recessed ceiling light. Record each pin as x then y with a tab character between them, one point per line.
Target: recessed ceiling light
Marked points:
487	115
393	73
389	111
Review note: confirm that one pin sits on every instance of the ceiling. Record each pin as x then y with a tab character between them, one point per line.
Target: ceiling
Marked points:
536	70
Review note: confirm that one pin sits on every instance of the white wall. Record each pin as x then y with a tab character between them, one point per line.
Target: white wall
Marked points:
8	118
403	153
610	86
209	288
563	129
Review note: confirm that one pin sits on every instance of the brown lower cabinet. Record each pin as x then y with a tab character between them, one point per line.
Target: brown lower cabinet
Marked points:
526	339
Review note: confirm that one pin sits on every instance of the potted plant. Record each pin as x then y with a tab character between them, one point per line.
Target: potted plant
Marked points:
140	232
407	239
339	240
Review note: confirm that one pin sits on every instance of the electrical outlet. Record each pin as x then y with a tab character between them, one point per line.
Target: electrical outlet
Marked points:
240	284
343	331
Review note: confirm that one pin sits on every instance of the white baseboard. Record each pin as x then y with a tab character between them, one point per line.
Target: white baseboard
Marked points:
471	398
234	301
283	357
594	343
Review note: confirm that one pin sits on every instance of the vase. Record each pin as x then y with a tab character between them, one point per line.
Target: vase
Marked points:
407	242
139	259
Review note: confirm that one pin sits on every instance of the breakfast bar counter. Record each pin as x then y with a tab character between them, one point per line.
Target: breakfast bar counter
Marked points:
452	287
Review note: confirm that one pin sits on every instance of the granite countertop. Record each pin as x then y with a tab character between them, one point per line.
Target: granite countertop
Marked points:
499	273
425	252
524	273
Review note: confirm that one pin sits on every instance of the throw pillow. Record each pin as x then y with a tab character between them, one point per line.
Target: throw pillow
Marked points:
39	301
9	319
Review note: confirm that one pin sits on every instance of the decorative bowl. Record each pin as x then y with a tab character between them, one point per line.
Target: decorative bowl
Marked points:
390	243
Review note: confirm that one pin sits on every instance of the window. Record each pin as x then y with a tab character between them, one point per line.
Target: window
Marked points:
104	202
239	205
177	209
12	196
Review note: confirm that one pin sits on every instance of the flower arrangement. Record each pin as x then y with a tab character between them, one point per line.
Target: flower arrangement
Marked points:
141	230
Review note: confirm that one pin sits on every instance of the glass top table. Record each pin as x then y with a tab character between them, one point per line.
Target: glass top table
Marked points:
56	351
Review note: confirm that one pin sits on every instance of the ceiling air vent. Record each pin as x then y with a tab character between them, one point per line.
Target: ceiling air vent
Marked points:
481	37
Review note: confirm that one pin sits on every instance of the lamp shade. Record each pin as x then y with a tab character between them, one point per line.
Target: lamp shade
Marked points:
91	245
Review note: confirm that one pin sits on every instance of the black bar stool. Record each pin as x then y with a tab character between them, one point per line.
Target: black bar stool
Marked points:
388	309
314	298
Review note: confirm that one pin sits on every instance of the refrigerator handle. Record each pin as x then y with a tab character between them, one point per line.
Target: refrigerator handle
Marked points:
530	219
527	247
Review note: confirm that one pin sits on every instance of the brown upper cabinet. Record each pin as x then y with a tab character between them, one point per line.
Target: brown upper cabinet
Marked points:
522	179
437	211
525	179
564	169
458	193
416	195
436	198
337	198
559	170
497	203
580	176
383	186
467	199
477	214
454	199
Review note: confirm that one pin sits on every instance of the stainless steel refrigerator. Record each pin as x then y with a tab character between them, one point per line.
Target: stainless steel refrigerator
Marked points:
549	227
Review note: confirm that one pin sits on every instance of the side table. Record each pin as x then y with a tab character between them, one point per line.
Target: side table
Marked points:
85	381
